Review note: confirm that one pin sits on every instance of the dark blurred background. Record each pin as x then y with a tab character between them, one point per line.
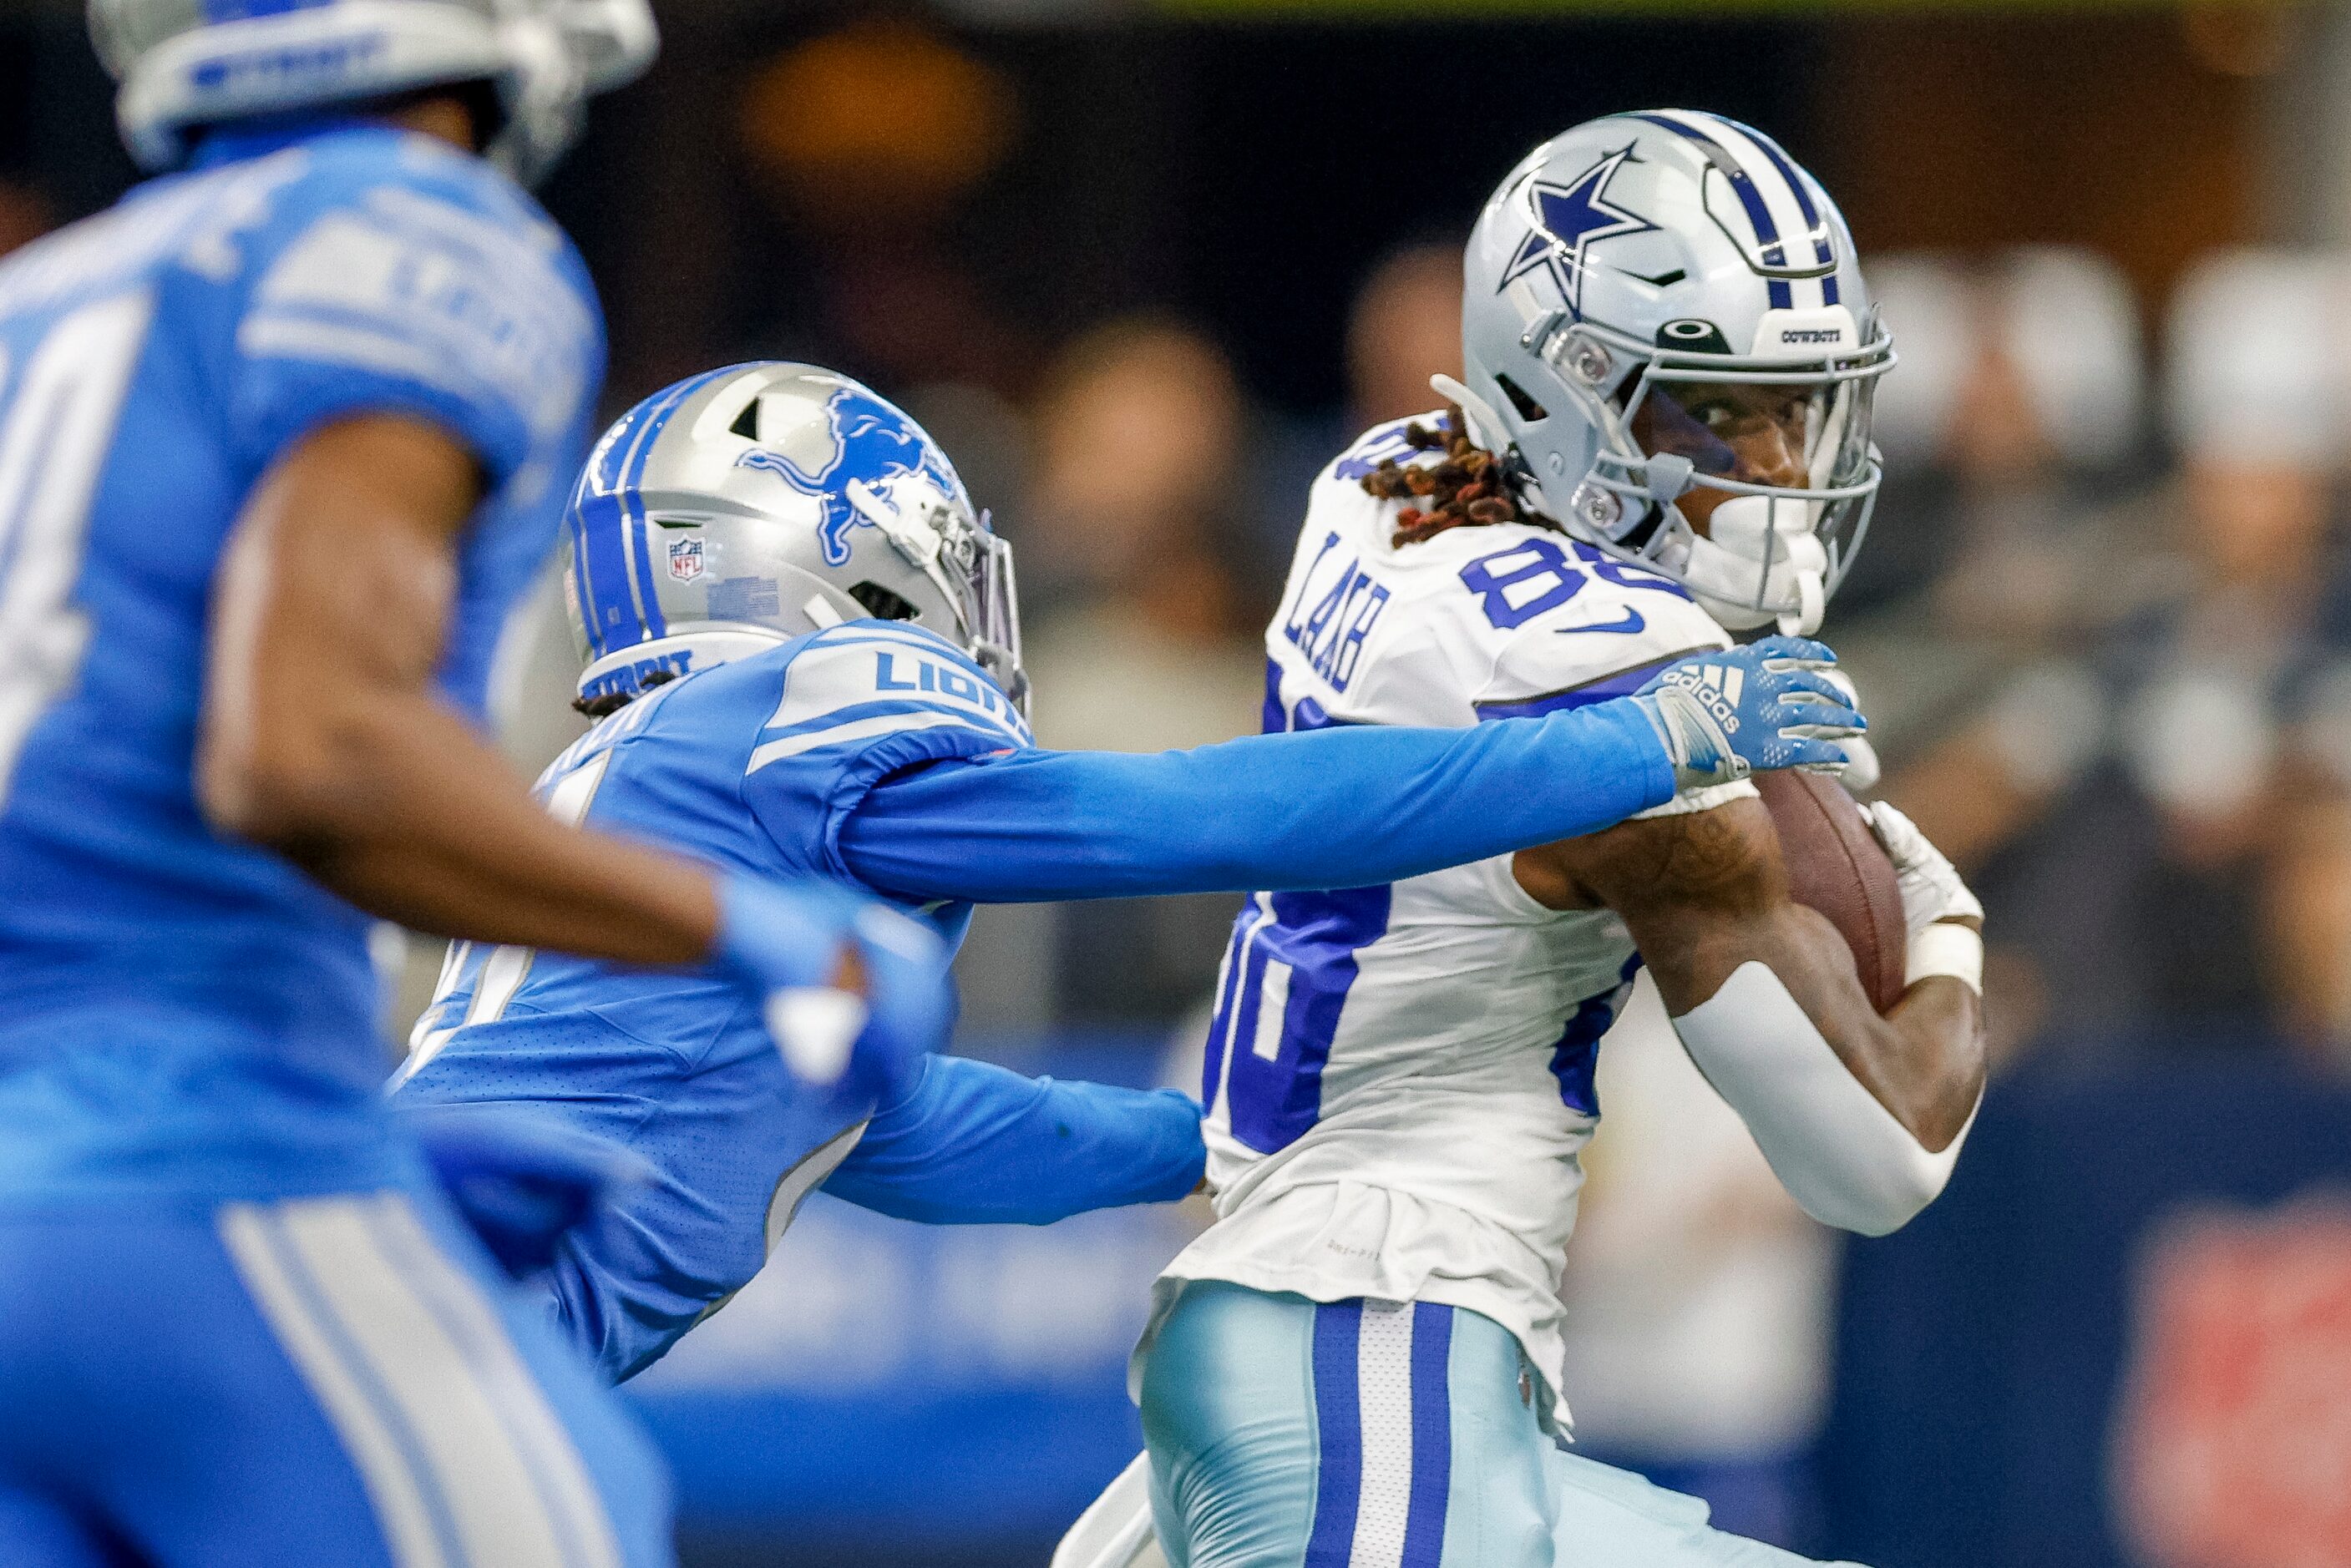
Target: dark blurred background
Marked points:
1144	270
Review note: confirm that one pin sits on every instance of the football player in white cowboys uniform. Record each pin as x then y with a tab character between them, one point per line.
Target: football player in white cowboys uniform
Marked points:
1664	433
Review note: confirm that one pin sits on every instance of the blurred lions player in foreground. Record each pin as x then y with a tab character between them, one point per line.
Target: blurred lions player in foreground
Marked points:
806	642
281	437
1664	433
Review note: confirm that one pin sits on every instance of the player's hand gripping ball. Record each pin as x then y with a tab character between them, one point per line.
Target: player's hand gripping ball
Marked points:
1931	888
853	993
1768	705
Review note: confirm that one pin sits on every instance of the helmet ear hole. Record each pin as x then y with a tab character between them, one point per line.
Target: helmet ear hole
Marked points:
746	423
1521	400
881	604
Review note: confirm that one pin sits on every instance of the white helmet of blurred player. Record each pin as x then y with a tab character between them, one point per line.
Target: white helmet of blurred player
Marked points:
1666	340
187	63
746	507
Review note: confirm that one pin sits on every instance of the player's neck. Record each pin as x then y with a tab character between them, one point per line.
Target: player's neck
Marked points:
444	119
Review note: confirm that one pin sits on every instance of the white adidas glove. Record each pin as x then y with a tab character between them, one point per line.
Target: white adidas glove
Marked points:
1933	897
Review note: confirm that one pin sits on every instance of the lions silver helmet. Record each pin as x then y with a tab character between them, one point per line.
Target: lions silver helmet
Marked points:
1666	340
186	64
754	504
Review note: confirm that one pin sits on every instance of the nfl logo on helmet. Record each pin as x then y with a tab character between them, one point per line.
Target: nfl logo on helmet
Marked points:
685	559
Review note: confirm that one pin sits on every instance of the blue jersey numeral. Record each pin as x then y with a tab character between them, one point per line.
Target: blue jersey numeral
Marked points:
1287	975
1516	585
477	983
1575	1057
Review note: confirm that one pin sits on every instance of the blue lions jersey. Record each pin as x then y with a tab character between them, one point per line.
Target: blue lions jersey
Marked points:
183	1009
757	766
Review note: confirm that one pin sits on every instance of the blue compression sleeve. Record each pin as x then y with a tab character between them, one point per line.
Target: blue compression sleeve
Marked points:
1351	806
972	1144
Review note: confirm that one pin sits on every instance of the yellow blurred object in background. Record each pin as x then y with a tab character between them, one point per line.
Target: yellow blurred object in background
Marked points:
879	118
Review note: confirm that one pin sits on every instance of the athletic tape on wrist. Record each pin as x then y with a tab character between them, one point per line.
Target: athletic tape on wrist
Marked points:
1942	947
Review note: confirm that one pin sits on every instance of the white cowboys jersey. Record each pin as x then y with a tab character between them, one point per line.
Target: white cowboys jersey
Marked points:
1399	1078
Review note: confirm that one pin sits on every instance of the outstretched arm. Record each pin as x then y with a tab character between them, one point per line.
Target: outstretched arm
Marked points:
1349	806
1859	1114
1341	808
972	1144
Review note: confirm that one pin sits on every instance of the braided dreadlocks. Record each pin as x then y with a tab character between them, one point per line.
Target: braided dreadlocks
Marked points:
611	702
1465	488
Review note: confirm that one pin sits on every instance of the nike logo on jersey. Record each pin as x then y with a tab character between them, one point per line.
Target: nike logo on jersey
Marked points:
1631	622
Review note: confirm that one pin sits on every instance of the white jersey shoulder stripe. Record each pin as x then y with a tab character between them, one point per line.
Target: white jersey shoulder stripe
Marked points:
838	672
862	729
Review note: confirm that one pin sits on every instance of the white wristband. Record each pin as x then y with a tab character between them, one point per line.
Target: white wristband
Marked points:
1943	947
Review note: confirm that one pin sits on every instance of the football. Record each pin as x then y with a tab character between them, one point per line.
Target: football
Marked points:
1836	866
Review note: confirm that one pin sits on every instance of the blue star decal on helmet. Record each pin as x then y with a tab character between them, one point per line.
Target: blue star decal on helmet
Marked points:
1568	219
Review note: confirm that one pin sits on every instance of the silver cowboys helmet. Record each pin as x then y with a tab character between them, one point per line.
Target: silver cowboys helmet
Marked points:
187	64
746	507
1666	340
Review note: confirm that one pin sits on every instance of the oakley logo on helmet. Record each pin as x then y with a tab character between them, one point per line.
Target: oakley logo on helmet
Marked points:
1733	290
1698	337
873	445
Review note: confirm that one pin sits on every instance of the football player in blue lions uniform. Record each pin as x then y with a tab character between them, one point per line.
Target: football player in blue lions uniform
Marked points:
281	436
805	643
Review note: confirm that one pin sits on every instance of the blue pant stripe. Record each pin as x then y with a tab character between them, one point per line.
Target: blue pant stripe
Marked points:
1339	1472
1432	1435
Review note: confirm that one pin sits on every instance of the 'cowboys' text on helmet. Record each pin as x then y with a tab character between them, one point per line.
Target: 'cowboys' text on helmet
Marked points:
1666	336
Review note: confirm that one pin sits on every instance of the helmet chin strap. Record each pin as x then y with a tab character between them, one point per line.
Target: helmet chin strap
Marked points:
1751	570
1813	603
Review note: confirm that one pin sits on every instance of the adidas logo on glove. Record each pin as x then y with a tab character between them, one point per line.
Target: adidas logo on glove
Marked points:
1716	686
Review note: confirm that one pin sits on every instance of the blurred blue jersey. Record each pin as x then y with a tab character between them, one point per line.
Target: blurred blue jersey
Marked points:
182	1011
757	766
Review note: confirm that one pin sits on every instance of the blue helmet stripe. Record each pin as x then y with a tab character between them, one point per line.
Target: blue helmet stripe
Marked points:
629	515
604	589
640	558
638	526
1822	250
632	530
583	599
1767	233
239	10
601	521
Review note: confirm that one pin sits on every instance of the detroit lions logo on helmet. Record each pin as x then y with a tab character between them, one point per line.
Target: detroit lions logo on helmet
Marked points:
874	445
